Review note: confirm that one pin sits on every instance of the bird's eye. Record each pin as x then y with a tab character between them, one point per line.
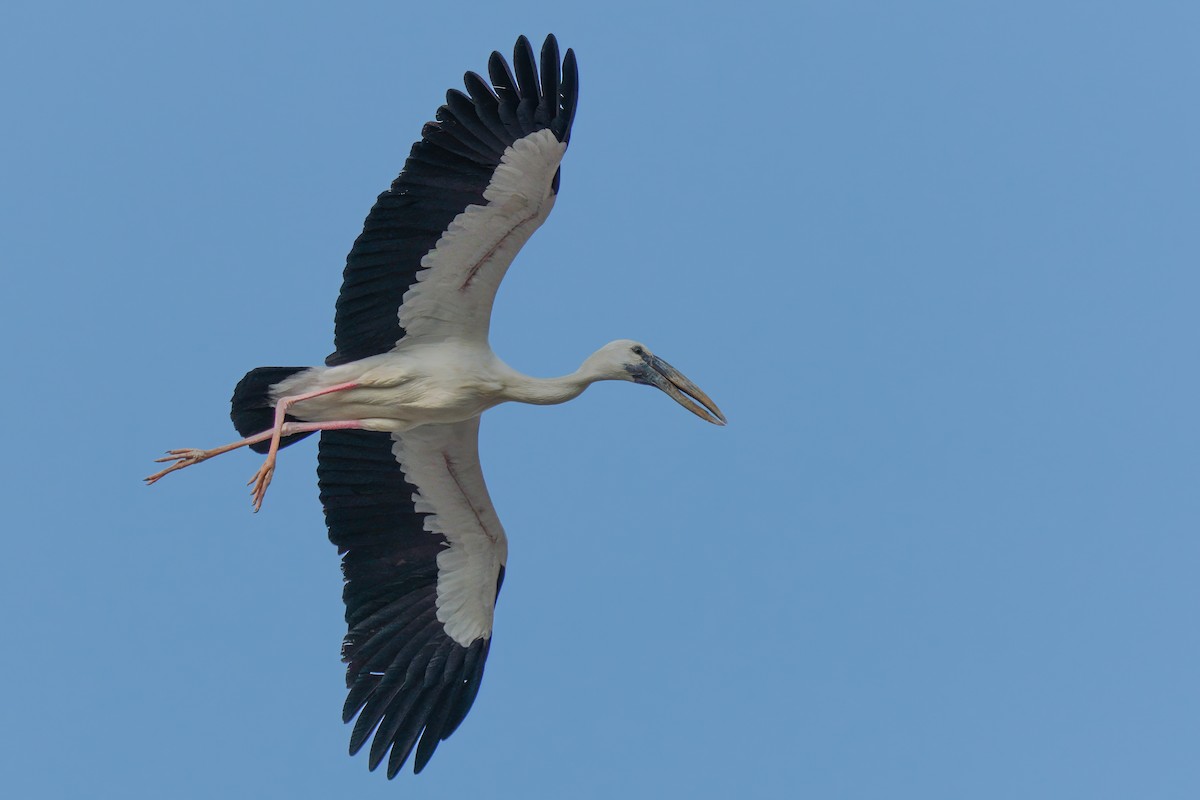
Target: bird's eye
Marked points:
638	351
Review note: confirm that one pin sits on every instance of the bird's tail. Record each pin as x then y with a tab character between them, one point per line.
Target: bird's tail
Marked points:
253	410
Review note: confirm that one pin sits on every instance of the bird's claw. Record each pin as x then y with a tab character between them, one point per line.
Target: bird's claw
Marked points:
185	454
260	481
184	457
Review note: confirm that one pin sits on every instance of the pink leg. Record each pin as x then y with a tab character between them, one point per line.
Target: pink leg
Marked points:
187	457
262	479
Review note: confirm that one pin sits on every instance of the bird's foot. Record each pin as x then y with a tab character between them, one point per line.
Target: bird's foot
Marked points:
260	481
182	458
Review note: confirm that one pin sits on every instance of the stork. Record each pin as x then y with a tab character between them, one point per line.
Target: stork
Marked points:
399	400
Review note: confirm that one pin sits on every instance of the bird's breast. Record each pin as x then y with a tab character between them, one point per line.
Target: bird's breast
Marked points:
404	402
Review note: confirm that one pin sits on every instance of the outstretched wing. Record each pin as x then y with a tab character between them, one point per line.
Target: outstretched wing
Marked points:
482	179
423	558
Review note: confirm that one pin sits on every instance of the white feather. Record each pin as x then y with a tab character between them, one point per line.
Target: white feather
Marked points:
442	461
453	295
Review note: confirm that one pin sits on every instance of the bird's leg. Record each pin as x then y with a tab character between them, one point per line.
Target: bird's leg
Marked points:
262	479
186	457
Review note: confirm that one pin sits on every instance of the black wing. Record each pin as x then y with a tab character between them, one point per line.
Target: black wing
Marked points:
410	674
447	171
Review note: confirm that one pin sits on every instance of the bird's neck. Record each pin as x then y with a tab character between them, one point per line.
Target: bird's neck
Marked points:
548	391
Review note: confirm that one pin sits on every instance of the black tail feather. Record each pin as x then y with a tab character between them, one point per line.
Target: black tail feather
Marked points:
253	410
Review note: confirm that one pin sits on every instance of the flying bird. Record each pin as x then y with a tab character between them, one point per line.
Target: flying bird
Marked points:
399	400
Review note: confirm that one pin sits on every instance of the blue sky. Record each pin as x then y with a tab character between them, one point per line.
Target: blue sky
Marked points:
937	262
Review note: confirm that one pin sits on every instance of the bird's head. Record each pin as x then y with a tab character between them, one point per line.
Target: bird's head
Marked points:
627	360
